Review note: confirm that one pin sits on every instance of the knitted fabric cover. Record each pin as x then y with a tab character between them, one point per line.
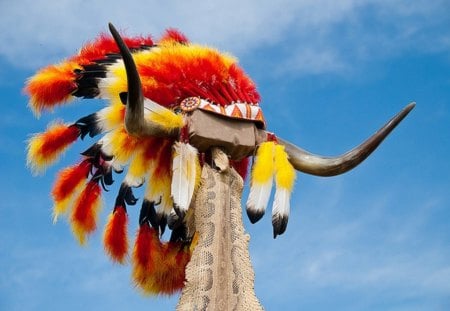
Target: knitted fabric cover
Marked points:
218	222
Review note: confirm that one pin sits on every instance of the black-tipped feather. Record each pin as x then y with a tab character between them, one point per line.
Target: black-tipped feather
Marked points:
255	216
148	214
88	125
279	224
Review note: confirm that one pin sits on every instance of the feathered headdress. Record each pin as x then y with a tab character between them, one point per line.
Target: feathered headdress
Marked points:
174	73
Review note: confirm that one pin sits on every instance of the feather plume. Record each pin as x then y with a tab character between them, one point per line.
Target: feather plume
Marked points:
284	178
45	148
147	254
160	178
161	115
261	182
170	276
185	168
143	161
68	182
51	86
85	211
111	117
119	145
115	238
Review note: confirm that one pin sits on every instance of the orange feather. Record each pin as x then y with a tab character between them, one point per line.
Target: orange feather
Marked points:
115	237
45	148
84	214
51	86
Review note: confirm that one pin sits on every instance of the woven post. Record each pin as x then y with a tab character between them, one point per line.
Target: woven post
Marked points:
220	275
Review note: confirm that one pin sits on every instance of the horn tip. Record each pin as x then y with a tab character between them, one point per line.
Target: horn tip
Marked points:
410	106
113	31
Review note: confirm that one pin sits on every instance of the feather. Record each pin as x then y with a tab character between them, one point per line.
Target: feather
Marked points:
185	166
51	86
111	117
115	239
85	211
284	178
159	181
161	115
261	182
45	148
142	161
68	182
89	125
147	255
120	145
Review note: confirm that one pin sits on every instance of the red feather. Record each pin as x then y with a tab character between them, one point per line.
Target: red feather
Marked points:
115	238
84	215
104	45
172	276
175	35
44	148
69	179
51	86
58	138
146	257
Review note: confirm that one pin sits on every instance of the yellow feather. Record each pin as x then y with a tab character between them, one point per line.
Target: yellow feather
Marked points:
284	178
119	144
263	167
111	117
64	206
261	182
285	172
161	115
159	189
139	167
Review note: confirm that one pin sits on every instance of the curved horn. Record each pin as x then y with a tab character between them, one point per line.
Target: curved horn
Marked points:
309	163
135	123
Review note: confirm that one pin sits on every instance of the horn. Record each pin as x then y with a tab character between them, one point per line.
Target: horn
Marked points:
309	163
135	123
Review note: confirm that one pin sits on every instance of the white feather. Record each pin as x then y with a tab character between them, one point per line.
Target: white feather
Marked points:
259	196
281	203
151	107
183	175
134	181
280	210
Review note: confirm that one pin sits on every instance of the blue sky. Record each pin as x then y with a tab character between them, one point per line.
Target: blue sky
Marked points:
330	74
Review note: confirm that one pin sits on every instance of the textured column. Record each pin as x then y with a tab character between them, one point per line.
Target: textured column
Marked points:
220	275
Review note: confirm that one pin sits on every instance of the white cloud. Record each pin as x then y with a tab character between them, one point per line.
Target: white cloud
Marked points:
373	248
312	36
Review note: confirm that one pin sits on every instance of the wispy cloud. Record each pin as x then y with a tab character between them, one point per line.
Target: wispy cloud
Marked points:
324	36
376	250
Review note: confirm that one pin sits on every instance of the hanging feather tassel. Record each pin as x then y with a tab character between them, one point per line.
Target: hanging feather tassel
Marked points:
284	178
261	182
45	148
185	176
171	276
115	237
85	211
147	255
68	182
